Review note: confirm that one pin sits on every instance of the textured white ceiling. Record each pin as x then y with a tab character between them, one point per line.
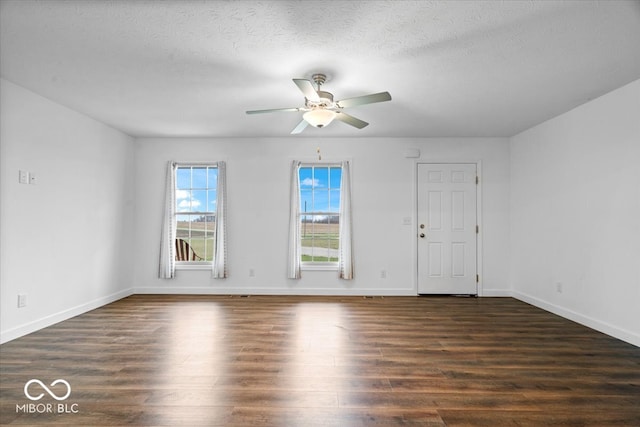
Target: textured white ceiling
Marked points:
192	68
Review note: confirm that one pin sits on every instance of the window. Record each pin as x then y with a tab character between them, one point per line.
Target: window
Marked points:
194	219
319	214
195	214
320	219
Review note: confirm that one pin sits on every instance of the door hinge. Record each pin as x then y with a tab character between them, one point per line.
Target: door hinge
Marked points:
477	229
477	179
477	278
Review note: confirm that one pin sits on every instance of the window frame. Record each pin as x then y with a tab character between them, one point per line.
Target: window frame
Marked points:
320	265
195	265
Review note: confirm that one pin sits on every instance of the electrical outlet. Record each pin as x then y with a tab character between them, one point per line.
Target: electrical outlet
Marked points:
252	272
383	274
559	287
22	300
23	177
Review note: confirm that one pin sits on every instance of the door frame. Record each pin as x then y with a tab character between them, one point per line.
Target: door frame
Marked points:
414	234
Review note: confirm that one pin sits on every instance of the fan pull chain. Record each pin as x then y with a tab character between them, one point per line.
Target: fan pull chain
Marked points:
319	155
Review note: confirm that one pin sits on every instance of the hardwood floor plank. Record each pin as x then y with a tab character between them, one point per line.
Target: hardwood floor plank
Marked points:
488	418
169	360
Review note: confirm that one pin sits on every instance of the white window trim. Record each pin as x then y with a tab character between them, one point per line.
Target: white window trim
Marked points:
319	266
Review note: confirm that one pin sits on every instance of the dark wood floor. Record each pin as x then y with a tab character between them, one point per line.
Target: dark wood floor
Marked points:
320	361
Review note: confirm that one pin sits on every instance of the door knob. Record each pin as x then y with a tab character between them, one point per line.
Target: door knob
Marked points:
422	235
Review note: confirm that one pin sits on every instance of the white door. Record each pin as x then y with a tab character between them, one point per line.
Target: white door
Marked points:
447	229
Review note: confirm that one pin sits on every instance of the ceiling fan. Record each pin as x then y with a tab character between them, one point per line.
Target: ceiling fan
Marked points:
320	109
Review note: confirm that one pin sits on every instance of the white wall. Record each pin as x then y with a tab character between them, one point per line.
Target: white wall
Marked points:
258	190
65	241
575	214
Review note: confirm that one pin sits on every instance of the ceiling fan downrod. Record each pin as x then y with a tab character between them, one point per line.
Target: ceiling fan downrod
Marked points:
319	78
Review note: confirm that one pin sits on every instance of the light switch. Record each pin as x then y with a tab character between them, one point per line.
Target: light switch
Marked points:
33	179
23	177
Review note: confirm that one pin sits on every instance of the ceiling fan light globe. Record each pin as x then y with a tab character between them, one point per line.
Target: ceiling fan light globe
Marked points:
320	117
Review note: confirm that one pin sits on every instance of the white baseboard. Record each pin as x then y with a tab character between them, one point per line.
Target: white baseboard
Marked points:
598	325
52	319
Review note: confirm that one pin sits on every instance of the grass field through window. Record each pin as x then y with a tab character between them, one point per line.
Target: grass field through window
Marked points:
320	242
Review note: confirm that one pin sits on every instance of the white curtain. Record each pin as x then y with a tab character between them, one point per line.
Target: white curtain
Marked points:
345	262
293	267
167	240
219	270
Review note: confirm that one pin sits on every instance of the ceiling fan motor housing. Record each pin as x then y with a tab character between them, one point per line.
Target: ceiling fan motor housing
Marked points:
326	100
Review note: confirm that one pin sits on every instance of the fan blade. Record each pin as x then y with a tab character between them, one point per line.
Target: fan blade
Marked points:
366	99
306	87
350	120
272	110
301	126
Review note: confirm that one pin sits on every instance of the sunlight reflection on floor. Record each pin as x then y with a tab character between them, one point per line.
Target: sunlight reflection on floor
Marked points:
319	335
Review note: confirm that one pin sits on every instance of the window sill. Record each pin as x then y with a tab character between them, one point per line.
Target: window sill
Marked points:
319	266
193	265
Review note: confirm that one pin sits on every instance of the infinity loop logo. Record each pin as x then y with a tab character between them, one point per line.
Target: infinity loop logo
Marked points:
47	389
